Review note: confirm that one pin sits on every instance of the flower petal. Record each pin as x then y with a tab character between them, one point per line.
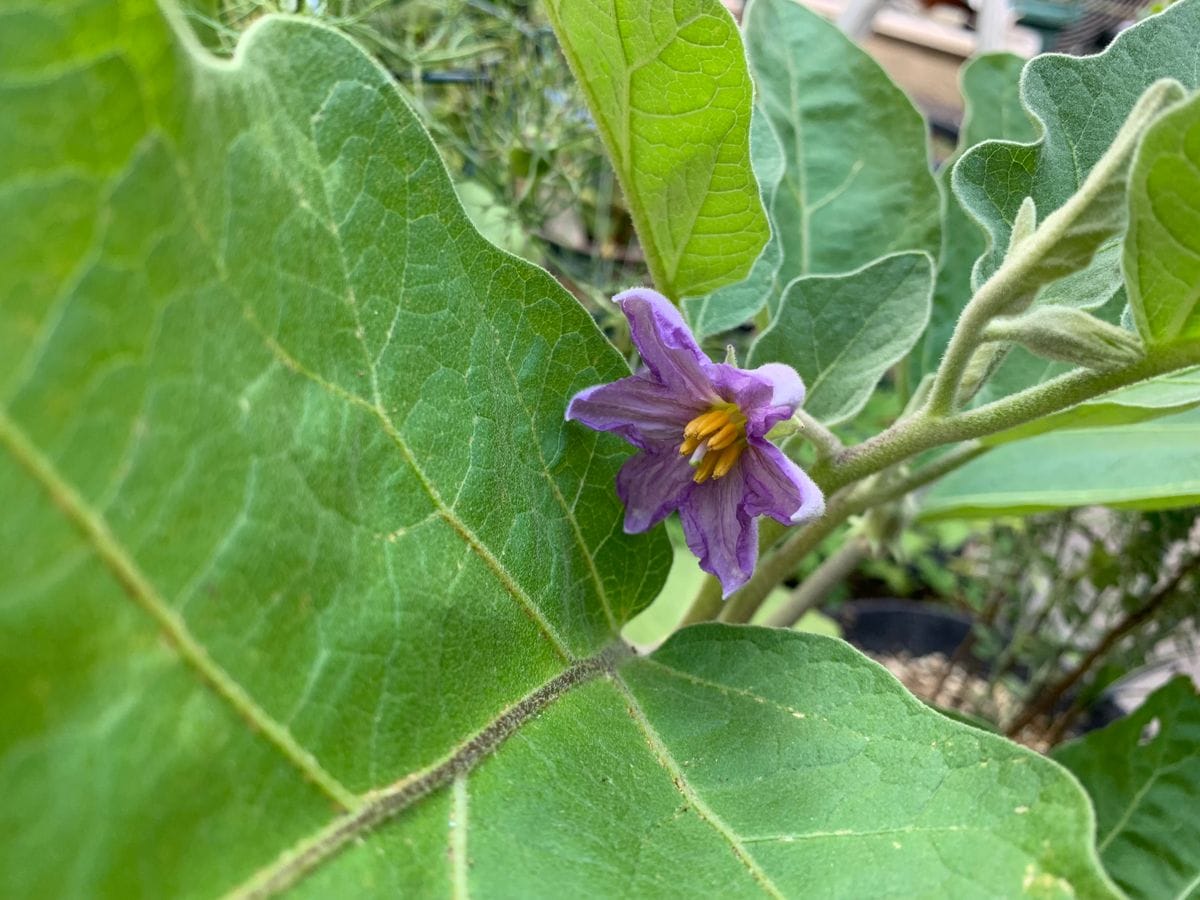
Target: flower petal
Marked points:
666	344
766	395
639	408
652	485
777	487
720	531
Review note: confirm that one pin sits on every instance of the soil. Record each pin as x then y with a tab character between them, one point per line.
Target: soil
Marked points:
962	691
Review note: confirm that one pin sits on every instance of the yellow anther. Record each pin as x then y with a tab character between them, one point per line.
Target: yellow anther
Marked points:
705	468
714	439
724	437
706	423
725	460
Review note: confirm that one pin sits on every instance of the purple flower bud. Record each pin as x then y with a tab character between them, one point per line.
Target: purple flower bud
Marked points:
701	428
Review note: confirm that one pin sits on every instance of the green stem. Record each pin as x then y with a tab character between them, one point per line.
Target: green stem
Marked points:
924	432
771	571
709	600
811	429
707	605
816	587
845	503
911	436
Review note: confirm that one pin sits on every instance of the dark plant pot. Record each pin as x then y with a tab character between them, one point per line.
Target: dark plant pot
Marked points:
892	627
902	626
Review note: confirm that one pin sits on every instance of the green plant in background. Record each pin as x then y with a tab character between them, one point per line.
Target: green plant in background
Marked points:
313	588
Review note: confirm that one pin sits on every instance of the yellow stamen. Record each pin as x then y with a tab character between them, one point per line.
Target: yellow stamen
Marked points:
715	440
705	468
725	460
706	423
724	437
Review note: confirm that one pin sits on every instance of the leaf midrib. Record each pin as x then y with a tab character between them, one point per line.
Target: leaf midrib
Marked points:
138	587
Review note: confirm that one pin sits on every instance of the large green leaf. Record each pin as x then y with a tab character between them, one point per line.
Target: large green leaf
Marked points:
1143	774
1162	246
669	91
989	85
1081	103
842	332
857	184
1151	465
281	446
730	306
304	573
740	761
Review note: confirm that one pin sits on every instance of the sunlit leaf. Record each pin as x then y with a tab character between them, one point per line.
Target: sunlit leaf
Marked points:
669	91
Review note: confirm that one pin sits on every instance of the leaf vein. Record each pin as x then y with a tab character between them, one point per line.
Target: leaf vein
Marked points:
138	587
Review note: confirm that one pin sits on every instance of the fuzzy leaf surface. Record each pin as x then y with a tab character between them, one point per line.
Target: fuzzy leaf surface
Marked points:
993	110
842	332
1081	103
282	449
301	550
1162	246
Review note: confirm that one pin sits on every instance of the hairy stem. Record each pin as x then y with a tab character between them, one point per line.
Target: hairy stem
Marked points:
917	434
922	432
707	605
816	587
842	504
827	443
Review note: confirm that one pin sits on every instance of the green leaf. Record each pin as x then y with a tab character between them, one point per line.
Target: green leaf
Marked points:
282	453
1146	790
1162	396
1162	246
1081	103
734	304
743	761
657	621
993	109
306	581
668	88
495	221
1151	465
842	332
1070	238
857	185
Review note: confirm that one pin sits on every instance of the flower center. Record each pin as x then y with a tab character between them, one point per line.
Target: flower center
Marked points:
715	439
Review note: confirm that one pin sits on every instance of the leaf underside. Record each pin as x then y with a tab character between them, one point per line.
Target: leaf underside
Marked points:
1149	465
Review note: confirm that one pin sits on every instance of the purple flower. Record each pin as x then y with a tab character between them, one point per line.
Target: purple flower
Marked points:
701	428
